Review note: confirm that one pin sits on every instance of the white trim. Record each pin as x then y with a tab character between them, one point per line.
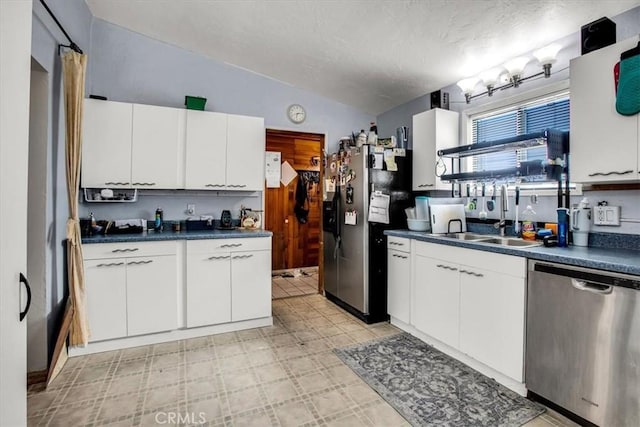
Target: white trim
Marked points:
180	334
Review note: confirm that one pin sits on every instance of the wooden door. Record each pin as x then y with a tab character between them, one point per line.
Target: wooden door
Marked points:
295	244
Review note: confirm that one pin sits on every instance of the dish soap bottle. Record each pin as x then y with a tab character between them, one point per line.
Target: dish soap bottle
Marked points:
528	224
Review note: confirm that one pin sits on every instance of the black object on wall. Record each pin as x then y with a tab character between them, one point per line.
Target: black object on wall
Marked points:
598	34
440	99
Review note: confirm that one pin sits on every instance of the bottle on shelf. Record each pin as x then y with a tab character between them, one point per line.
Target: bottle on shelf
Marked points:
373	134
362	138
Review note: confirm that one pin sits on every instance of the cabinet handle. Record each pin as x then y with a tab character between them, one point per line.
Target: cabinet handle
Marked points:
116	183
24	280
125	250
144	183
231	245
610	173
110	264
214	185
219	257
399	256
242	256
425	185
140	262
446	267
396	243
471	273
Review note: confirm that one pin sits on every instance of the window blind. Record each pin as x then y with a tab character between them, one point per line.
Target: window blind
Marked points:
527	118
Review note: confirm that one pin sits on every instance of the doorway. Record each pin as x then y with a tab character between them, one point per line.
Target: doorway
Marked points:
37	350
293	214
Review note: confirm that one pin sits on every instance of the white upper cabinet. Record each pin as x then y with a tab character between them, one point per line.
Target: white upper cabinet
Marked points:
106	144
604	144
245	153
145	146
206	154
156	146
433	130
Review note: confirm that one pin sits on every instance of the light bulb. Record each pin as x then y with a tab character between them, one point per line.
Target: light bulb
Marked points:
515	66
490	77
547	55
467	85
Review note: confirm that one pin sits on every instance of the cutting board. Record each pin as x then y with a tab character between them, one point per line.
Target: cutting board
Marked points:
442	214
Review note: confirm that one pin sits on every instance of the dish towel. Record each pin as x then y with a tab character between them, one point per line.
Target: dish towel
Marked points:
628	96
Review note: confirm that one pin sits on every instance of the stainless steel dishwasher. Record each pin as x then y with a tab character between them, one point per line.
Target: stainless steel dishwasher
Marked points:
583	341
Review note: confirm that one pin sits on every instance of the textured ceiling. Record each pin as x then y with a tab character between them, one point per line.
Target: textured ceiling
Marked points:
371	54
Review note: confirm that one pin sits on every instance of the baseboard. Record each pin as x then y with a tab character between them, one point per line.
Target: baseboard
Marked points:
37	377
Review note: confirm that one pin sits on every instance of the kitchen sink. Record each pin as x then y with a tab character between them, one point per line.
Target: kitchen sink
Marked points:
506	241
496	240
463	236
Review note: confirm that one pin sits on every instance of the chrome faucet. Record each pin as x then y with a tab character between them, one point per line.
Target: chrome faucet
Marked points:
504	207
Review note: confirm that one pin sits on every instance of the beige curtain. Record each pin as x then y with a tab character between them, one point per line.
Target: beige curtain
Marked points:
73	68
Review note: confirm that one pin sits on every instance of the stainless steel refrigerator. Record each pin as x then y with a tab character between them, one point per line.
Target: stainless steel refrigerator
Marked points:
355	256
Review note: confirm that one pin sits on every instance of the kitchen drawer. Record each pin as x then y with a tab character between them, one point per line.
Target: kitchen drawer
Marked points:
128	249
229	245
399	244
505	264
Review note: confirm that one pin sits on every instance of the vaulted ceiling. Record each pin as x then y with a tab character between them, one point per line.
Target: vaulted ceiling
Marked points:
371	54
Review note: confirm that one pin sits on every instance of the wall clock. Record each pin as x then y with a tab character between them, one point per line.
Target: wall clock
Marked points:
296	113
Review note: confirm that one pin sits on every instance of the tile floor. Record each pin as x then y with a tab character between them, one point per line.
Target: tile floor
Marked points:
283	285
282	375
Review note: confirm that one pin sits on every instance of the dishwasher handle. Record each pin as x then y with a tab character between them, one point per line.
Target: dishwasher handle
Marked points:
596	288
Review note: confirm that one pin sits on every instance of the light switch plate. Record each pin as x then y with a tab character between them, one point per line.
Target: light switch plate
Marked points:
606	215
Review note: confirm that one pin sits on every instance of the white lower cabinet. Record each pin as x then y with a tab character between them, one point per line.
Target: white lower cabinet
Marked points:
399	279
436	299
473	301
131	295
208	289
228	280
492	316
106	291
250	285
151	295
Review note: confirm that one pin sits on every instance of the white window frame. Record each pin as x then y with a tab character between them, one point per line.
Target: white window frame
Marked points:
467	116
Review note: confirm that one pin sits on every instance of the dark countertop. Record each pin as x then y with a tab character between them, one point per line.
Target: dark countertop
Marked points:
614	260
181	235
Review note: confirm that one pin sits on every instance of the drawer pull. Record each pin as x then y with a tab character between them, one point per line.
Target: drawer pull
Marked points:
242	256
446	267
111	264
396	243
140	262
471	273
399	256
219	257
214	185
125	250
231	245
425	185
610	173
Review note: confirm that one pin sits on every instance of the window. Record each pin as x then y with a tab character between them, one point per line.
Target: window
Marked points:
525	118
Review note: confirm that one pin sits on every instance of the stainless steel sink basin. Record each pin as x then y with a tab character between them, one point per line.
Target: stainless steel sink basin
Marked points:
463	236
496	240
507	241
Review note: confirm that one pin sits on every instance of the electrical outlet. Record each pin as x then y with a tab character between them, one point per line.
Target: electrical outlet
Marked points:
606	215
191	209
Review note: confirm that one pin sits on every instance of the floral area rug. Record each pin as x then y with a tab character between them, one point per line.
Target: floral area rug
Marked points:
430	388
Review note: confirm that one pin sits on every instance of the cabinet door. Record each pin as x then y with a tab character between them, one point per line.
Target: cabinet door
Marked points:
399	285
604	144
433	130
250	285
436	299
106	290
106	144
208	289
424	152
245	153
155	153
152	294
206	150
492	319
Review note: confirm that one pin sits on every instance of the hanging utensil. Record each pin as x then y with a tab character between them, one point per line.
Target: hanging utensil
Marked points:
516	226
491	204
483	214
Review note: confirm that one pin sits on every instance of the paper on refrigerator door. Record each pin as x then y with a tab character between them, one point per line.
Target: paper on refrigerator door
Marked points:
379	208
